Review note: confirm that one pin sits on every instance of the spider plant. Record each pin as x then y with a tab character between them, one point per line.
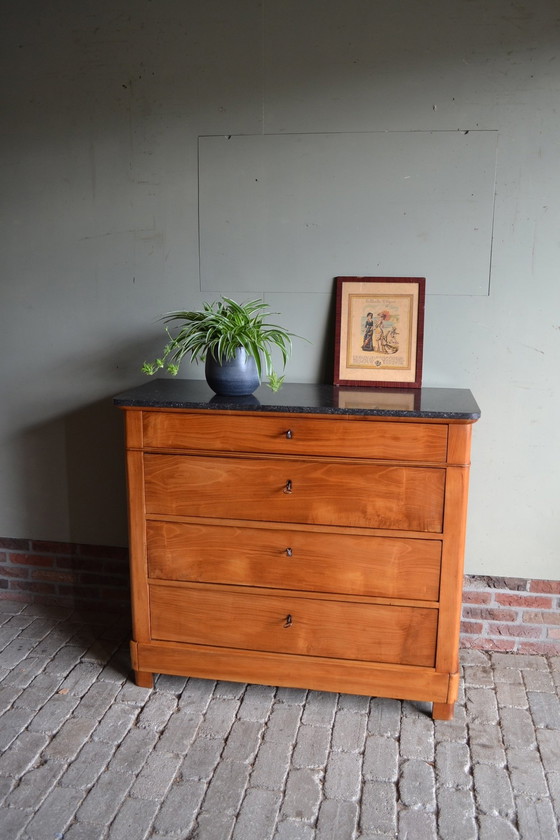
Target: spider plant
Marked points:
219	329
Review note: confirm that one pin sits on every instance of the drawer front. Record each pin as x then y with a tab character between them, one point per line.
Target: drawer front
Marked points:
296	436
308	492
303	626
291	559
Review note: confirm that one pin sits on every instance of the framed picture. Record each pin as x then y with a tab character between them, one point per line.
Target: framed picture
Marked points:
379	331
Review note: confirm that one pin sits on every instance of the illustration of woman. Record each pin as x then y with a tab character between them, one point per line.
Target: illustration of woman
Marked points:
368	333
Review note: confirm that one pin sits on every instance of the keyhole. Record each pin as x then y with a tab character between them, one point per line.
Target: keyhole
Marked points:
289	434
288	487
288	622
289	552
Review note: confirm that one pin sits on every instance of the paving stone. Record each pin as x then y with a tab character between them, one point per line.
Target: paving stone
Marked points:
553	780
22	754
219	717
56	812
157	711
243	740
485	744
349	731
16	651
549	747
87	766
293	830
115	723
320	708
227	787
526	773
156	776
213	826
416	785
354	703
105	798
496	828
303	795
512	694
545	709
343	776
453	765
40	689
65	659
538	681
468	656
379	808
81	678
233	690
35	785
12	821
82	831
517	729
415	824
283	723
520	661
134	819
170	684
26	671
134	694
180	732
381	759
8	695
202	758
133	751
481	705
507	675
456	815
336	820
384	717
68	741
197	695
291	696
271	765
312	746
493	791
478	675
257	816
97	700
257	703
536	819
451	730
181	805
417	738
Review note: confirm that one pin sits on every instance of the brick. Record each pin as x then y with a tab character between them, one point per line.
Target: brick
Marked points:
552	586
516	631
257	816
134	819
379	809
490	614
26	559
417	785
471	627
381	759
485	643
349	731
343	776
532	602
456	815
179	809
473	597
541	617
548	647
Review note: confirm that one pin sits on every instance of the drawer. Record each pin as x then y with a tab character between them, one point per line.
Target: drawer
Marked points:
296	436
284	624
292	559
304	491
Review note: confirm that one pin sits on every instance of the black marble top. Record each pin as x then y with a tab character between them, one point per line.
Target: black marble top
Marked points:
441	403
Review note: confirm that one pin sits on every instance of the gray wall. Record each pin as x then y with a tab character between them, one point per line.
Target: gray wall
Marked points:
104	105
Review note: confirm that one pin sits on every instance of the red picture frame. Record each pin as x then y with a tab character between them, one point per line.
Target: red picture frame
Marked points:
379	331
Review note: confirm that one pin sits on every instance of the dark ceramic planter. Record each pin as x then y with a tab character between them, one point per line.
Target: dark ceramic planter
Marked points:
237	377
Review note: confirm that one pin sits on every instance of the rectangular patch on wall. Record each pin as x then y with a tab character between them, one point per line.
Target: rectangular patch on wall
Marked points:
290	212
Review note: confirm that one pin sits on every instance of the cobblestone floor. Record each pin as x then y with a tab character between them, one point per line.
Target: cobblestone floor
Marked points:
87	755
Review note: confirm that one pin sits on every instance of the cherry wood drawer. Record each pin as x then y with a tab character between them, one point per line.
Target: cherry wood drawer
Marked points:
284	624
304	491
292	559
296	436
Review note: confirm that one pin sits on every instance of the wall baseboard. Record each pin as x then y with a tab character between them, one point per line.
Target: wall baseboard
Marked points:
503	614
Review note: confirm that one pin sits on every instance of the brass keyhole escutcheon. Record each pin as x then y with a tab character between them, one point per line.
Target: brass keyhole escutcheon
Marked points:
288	621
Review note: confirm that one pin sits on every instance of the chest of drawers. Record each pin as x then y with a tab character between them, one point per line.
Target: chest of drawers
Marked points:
310	539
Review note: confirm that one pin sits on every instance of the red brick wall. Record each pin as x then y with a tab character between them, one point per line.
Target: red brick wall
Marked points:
508	614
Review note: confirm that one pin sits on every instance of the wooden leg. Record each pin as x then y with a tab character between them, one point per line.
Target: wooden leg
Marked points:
145	679
443	711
